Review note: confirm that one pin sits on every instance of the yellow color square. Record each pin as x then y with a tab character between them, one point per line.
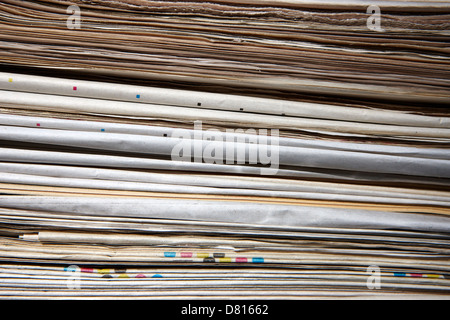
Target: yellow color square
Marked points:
10	79
103	271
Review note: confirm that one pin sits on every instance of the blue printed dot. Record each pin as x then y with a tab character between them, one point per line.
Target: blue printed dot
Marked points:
103	130
157	276
170	254
71	269
138	96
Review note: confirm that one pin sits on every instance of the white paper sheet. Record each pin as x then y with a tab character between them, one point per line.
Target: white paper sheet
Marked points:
237	212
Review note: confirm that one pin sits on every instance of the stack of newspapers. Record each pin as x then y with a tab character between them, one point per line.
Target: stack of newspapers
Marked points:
294	149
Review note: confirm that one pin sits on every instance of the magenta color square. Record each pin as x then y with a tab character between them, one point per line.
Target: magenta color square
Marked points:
186	254
75	88
38	124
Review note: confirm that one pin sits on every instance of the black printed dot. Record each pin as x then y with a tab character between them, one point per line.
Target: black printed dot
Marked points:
199	104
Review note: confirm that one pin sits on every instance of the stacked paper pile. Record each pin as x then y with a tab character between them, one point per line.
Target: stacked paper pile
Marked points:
228	149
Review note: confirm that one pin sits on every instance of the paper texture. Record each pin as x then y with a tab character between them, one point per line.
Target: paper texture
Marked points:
274	149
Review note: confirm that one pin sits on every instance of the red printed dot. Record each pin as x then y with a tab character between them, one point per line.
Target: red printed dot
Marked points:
38	124
186	254
75	88
141	276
